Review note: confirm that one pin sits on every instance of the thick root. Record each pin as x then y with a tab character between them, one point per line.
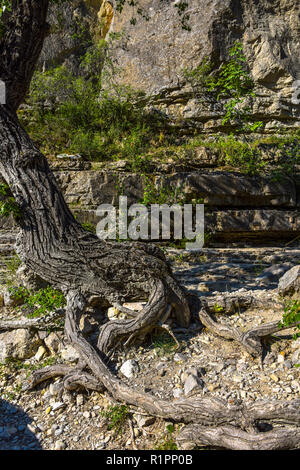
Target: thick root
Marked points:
145	321
233	438
211	421
50	372
74	378
29	323
251	340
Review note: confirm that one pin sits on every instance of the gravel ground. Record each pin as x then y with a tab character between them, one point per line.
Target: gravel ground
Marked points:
51	418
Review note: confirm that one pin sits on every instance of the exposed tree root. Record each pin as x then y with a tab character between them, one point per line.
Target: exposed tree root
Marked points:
81	379
74	378
39	376
236	439
29	323
54	246
141	324
211	421
251	340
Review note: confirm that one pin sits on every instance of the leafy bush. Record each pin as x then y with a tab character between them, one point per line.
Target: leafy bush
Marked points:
13	264
241	155
40	302
199	77
291	315
231	83
164	344
116	416
163	195
8	204
168	442
234	83
78	114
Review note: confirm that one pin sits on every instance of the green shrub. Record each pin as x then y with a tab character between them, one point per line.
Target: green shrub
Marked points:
168	442
241	155
13	264
291	315
8	204
163	195
78	114
116	416
164	344
39	302
231	82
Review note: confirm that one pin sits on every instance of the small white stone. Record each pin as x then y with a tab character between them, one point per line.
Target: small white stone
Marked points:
237	378
296	357
57	405
56	388
69	354
112	312
192	383
40	353
280	358
60	445
79	400
295	344
129	368
179	357
177	392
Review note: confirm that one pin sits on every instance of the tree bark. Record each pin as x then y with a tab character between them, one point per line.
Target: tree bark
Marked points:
25	29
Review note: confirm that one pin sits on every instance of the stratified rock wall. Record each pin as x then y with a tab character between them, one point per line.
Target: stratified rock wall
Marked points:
153	54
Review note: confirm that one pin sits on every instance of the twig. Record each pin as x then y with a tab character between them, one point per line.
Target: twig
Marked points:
132	434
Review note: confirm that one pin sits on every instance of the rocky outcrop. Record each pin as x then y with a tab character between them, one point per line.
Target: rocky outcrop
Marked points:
238	207
289	283
217	188
152	55
74	27
18	344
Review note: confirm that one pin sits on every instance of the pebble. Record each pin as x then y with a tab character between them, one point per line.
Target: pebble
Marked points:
129	368
56	388
60	445
296	357
179	357
280	358
144	421
192	383
177	392
40	353
79	400
101	445
58	405
237	378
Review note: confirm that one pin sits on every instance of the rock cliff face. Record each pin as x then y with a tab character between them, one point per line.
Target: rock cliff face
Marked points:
153	54
239	209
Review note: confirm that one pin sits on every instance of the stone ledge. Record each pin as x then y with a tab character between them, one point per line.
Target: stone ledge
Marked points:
217	188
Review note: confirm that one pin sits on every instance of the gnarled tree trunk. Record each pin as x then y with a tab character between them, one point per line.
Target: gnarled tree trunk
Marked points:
55	247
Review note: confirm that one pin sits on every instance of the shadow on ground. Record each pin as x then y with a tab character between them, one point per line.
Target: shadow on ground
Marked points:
14	431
